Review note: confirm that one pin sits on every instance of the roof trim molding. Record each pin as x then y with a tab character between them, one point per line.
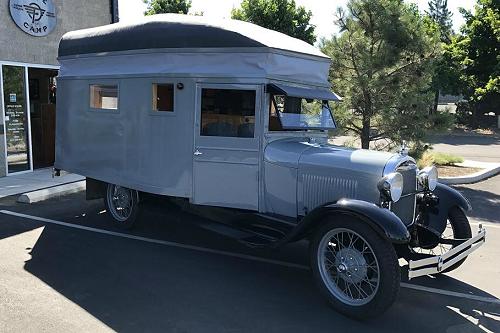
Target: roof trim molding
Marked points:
213	50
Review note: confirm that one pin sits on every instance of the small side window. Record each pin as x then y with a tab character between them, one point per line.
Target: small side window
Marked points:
104	96
163	97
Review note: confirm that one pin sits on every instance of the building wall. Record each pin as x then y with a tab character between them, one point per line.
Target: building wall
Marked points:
18	46
71	15
3	170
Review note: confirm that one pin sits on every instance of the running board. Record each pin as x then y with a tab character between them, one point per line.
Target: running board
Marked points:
253	230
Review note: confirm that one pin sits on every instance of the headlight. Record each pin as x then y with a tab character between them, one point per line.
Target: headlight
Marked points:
391	186
428	178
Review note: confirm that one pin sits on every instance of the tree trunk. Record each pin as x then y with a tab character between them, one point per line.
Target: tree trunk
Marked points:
477	112
436	102
365	133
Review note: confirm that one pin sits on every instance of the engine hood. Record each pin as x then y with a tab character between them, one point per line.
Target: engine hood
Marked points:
300	154
326	173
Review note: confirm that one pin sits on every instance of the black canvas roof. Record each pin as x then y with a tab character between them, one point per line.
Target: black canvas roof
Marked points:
179	31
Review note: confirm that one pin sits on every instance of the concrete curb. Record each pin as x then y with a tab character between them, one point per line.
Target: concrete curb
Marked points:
51	192
489	169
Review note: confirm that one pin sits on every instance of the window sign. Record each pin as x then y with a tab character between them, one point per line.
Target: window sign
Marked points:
34	17
16	118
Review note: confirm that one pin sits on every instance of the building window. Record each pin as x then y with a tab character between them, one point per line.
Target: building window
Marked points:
228	112
163	97
104	96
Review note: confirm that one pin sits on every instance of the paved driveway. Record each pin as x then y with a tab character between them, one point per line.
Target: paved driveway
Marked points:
485	199
484	148
485	195
170	275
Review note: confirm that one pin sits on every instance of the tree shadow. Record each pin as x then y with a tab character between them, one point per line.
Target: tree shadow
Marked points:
484	204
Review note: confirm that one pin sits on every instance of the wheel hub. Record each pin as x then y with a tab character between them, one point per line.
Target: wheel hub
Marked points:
122	197
351	265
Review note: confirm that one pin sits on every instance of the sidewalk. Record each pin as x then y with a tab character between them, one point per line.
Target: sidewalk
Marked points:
32	181
488	169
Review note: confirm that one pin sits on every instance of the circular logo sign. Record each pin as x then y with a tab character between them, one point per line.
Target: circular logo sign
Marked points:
35	17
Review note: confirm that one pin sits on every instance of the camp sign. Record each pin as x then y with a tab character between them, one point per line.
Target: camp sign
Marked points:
35	17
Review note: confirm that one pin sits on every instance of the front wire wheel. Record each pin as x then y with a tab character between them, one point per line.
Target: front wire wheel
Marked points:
355	268
439	249
348	266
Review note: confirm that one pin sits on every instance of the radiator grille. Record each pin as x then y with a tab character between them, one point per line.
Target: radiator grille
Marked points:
318	190
405	207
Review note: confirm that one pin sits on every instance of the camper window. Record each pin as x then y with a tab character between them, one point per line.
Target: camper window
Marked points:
163	97
228	112
104	96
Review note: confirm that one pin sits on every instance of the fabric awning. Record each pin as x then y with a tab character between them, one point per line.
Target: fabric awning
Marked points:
308	93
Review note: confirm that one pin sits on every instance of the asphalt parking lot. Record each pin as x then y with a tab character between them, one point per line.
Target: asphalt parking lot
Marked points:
64	268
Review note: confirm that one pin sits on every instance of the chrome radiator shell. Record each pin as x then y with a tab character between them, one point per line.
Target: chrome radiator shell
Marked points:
405	207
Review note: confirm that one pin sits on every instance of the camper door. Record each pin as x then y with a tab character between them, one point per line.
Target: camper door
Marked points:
226	146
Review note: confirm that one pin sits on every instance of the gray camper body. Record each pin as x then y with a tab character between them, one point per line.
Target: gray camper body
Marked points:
164	152
223	114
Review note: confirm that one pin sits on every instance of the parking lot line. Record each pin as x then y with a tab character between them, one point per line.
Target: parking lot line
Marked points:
486	225
450	293
237	255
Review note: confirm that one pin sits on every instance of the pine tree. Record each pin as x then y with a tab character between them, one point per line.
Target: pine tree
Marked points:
439	12
382	65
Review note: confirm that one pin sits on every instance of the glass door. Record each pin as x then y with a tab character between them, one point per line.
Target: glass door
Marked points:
16	118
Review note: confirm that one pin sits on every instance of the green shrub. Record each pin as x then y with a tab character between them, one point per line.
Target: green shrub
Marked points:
430	158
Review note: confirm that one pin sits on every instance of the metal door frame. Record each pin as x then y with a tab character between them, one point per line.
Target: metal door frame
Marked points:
26	88
256	141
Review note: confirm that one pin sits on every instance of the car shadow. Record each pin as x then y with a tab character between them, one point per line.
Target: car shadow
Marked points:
131	285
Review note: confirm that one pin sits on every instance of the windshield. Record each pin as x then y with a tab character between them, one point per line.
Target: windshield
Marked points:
302	114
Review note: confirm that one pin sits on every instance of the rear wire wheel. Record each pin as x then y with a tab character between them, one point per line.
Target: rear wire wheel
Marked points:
122	204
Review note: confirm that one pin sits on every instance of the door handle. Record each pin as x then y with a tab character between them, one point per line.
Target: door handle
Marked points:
197	153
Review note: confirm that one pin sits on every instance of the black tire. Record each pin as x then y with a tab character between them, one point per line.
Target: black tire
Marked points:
461	230
125	221
389	271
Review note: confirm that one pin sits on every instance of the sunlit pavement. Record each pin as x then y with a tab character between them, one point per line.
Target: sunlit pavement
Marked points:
59	278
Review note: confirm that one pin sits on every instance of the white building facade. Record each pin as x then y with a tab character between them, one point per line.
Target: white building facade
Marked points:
30	31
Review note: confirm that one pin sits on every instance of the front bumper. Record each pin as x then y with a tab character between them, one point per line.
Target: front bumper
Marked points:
437	264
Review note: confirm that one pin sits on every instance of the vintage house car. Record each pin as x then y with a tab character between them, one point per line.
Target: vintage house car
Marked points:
232	118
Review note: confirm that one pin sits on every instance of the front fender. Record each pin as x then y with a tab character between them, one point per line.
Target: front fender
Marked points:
447	198
382	220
